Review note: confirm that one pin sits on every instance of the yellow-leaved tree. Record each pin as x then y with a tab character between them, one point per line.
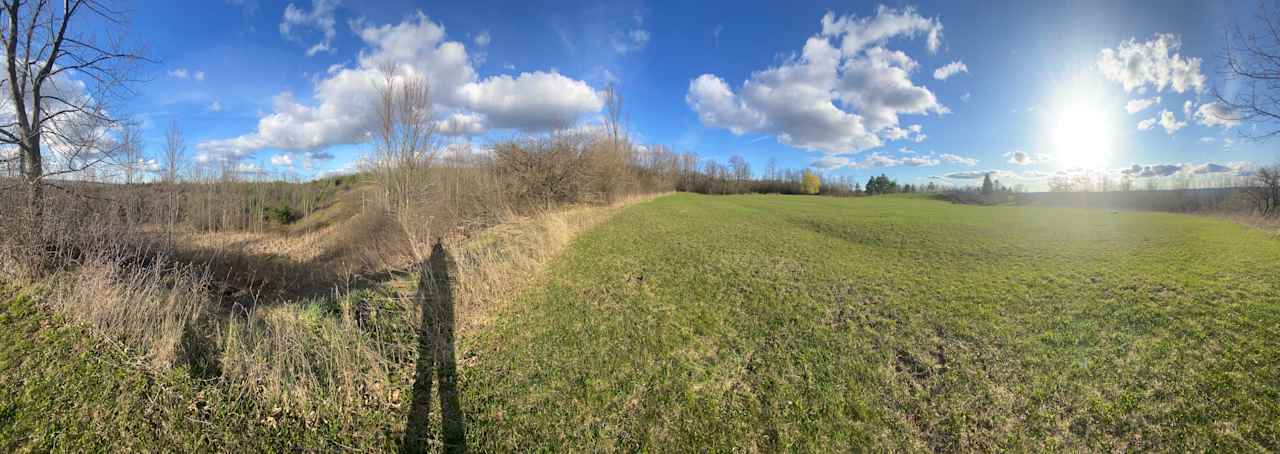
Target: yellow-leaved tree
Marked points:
811	183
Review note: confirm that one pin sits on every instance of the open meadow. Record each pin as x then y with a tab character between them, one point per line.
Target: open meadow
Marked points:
891	323
383	226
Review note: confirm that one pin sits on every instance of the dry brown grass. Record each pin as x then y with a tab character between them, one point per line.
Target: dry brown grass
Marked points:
148	308
300	358
496	265
357	356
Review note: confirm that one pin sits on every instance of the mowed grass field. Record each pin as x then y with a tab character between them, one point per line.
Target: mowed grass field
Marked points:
760	323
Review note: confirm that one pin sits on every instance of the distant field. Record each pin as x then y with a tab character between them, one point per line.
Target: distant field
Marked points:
803	323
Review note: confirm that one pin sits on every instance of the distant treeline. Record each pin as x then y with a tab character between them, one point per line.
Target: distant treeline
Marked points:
711	177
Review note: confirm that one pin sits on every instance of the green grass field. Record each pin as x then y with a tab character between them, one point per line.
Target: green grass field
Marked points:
775	323
887	323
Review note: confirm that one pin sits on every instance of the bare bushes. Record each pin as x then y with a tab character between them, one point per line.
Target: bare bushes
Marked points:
541	173
565	169
1264	191
152	308
309	356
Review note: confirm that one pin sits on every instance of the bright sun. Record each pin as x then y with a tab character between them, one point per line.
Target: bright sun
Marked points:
1081	135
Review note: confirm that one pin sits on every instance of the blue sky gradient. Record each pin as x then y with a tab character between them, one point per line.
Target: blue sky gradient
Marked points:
1033	86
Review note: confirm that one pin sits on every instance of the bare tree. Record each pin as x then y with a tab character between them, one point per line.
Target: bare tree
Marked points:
1264	192
175	153
60	80
405	148
131	159
741	169
1251	58
613	116
404	134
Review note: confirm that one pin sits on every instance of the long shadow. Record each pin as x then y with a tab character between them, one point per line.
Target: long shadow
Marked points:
436	356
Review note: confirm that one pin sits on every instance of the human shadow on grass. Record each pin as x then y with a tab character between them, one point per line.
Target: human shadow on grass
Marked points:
436	357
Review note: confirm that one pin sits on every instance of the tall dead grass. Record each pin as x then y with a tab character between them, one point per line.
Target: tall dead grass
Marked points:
306	360
495	266
152	308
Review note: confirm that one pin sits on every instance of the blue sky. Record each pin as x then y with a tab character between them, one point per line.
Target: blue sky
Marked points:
277	85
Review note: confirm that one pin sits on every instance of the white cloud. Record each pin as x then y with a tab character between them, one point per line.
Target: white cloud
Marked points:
856	33
1208	140
1170	123
320	17
216	106
1022	158
874	160
199	76
956	159
179	73
631	41
950	69
920	161
1154	63
536	101
832	99
1187	108
1139	105
1217	114
342	109
1146	124
828	162
915	133
461	124
482	39
1170	169
282	160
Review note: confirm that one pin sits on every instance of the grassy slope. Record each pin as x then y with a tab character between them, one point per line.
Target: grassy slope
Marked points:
760	322
64	390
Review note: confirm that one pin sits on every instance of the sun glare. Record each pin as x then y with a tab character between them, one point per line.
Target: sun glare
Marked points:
1081	135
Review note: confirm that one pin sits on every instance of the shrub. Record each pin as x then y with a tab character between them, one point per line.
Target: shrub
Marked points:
281	215
811	184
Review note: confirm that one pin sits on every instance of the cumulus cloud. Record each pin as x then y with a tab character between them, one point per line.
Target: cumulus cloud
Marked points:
215	106
914	133
1217	114
320	17
1170	123
1155	63
856	33
996	174
950	69
342	112
482	39
957	159
1138	105
828	162
1171	169
828	98
179	73
921	161
1146	124
876	160
1023	158
282	160
536	101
